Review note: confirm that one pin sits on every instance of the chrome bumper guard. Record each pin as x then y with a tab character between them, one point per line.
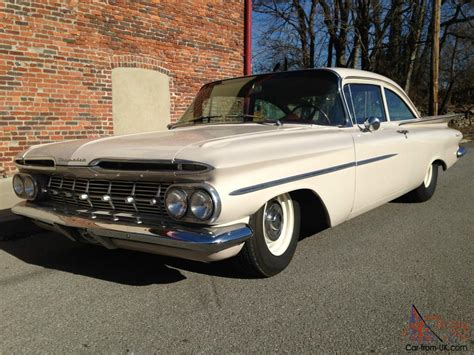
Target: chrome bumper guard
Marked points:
461	152
208	240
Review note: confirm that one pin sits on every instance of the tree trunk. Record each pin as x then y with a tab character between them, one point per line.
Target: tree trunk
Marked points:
312	33
354	56
449	92
337	24
330	47
362	27
306	32
418	20
344	9
433	106
375	56
340	54
302	32
423	59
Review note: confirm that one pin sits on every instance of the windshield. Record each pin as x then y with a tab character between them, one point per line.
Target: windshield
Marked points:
309	97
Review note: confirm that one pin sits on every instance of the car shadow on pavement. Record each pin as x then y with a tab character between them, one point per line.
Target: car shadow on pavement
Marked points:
53	251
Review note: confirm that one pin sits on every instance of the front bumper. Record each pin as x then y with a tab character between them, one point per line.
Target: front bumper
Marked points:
461	152
203	244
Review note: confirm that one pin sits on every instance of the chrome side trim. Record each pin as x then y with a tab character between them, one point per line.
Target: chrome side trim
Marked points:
373	160
286	180
431	119
461	152
207	239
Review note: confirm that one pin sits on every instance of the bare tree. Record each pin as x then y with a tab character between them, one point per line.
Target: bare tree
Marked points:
337	22
391	37
433	103
292	22
416	27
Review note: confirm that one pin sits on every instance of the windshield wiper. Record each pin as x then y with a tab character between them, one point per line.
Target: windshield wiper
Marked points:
244	116
264	121
193	121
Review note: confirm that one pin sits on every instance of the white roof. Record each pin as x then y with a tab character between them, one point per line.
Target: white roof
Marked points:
346	73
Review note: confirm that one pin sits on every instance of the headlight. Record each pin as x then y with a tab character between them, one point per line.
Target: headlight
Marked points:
176	202
19	186
201	205
30	187
25	186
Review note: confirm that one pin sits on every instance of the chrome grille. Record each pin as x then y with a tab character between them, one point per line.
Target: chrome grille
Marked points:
139	198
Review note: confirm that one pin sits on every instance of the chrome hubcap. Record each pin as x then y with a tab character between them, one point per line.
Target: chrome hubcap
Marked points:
273	220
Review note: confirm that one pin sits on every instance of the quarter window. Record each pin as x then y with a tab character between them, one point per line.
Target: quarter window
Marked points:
364	101
397	108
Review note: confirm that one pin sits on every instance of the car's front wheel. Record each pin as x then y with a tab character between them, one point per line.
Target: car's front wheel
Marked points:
427	188
276	228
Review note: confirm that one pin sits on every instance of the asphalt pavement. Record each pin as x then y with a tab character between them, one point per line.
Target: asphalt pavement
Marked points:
348	289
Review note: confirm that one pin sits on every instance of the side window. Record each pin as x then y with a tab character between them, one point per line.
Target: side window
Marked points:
364	101
397	108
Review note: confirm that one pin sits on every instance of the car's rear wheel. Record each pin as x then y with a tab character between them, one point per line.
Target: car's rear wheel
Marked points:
276	228
427	188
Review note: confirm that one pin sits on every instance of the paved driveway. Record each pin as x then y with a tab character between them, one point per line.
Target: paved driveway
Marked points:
349	288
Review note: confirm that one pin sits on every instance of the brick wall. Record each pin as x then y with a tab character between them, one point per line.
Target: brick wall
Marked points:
56	59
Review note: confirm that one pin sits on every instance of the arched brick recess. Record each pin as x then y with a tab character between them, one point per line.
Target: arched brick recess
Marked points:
145	62
57	61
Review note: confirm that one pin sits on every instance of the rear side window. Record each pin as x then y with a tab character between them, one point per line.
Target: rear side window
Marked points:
397	108
364	101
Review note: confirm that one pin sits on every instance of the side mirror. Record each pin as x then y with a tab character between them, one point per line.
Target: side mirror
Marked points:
372	124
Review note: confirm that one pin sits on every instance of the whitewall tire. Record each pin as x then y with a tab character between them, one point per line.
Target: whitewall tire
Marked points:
276	228
427	188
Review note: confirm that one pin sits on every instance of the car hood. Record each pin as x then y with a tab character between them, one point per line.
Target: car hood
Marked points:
190	143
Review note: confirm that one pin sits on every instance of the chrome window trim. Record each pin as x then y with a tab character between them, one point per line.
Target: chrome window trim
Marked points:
353	79
382	96
348	116
347	103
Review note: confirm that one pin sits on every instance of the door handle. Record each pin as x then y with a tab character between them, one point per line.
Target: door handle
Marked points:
403	131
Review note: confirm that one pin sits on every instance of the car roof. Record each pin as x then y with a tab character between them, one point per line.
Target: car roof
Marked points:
343	73
346	73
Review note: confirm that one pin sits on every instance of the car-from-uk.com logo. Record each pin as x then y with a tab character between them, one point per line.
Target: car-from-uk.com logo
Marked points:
433	333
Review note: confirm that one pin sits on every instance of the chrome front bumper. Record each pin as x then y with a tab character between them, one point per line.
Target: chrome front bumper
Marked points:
461	152
203	244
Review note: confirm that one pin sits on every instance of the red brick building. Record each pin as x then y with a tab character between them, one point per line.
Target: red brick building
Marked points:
57	60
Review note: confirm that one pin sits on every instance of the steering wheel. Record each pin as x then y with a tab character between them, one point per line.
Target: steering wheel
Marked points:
314	109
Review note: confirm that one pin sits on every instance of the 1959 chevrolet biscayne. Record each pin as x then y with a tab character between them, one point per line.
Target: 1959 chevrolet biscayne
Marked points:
251	160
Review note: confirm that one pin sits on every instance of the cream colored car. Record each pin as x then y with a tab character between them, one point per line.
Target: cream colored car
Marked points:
253	163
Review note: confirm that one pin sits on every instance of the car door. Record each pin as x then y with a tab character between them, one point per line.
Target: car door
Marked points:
420	149
381	155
